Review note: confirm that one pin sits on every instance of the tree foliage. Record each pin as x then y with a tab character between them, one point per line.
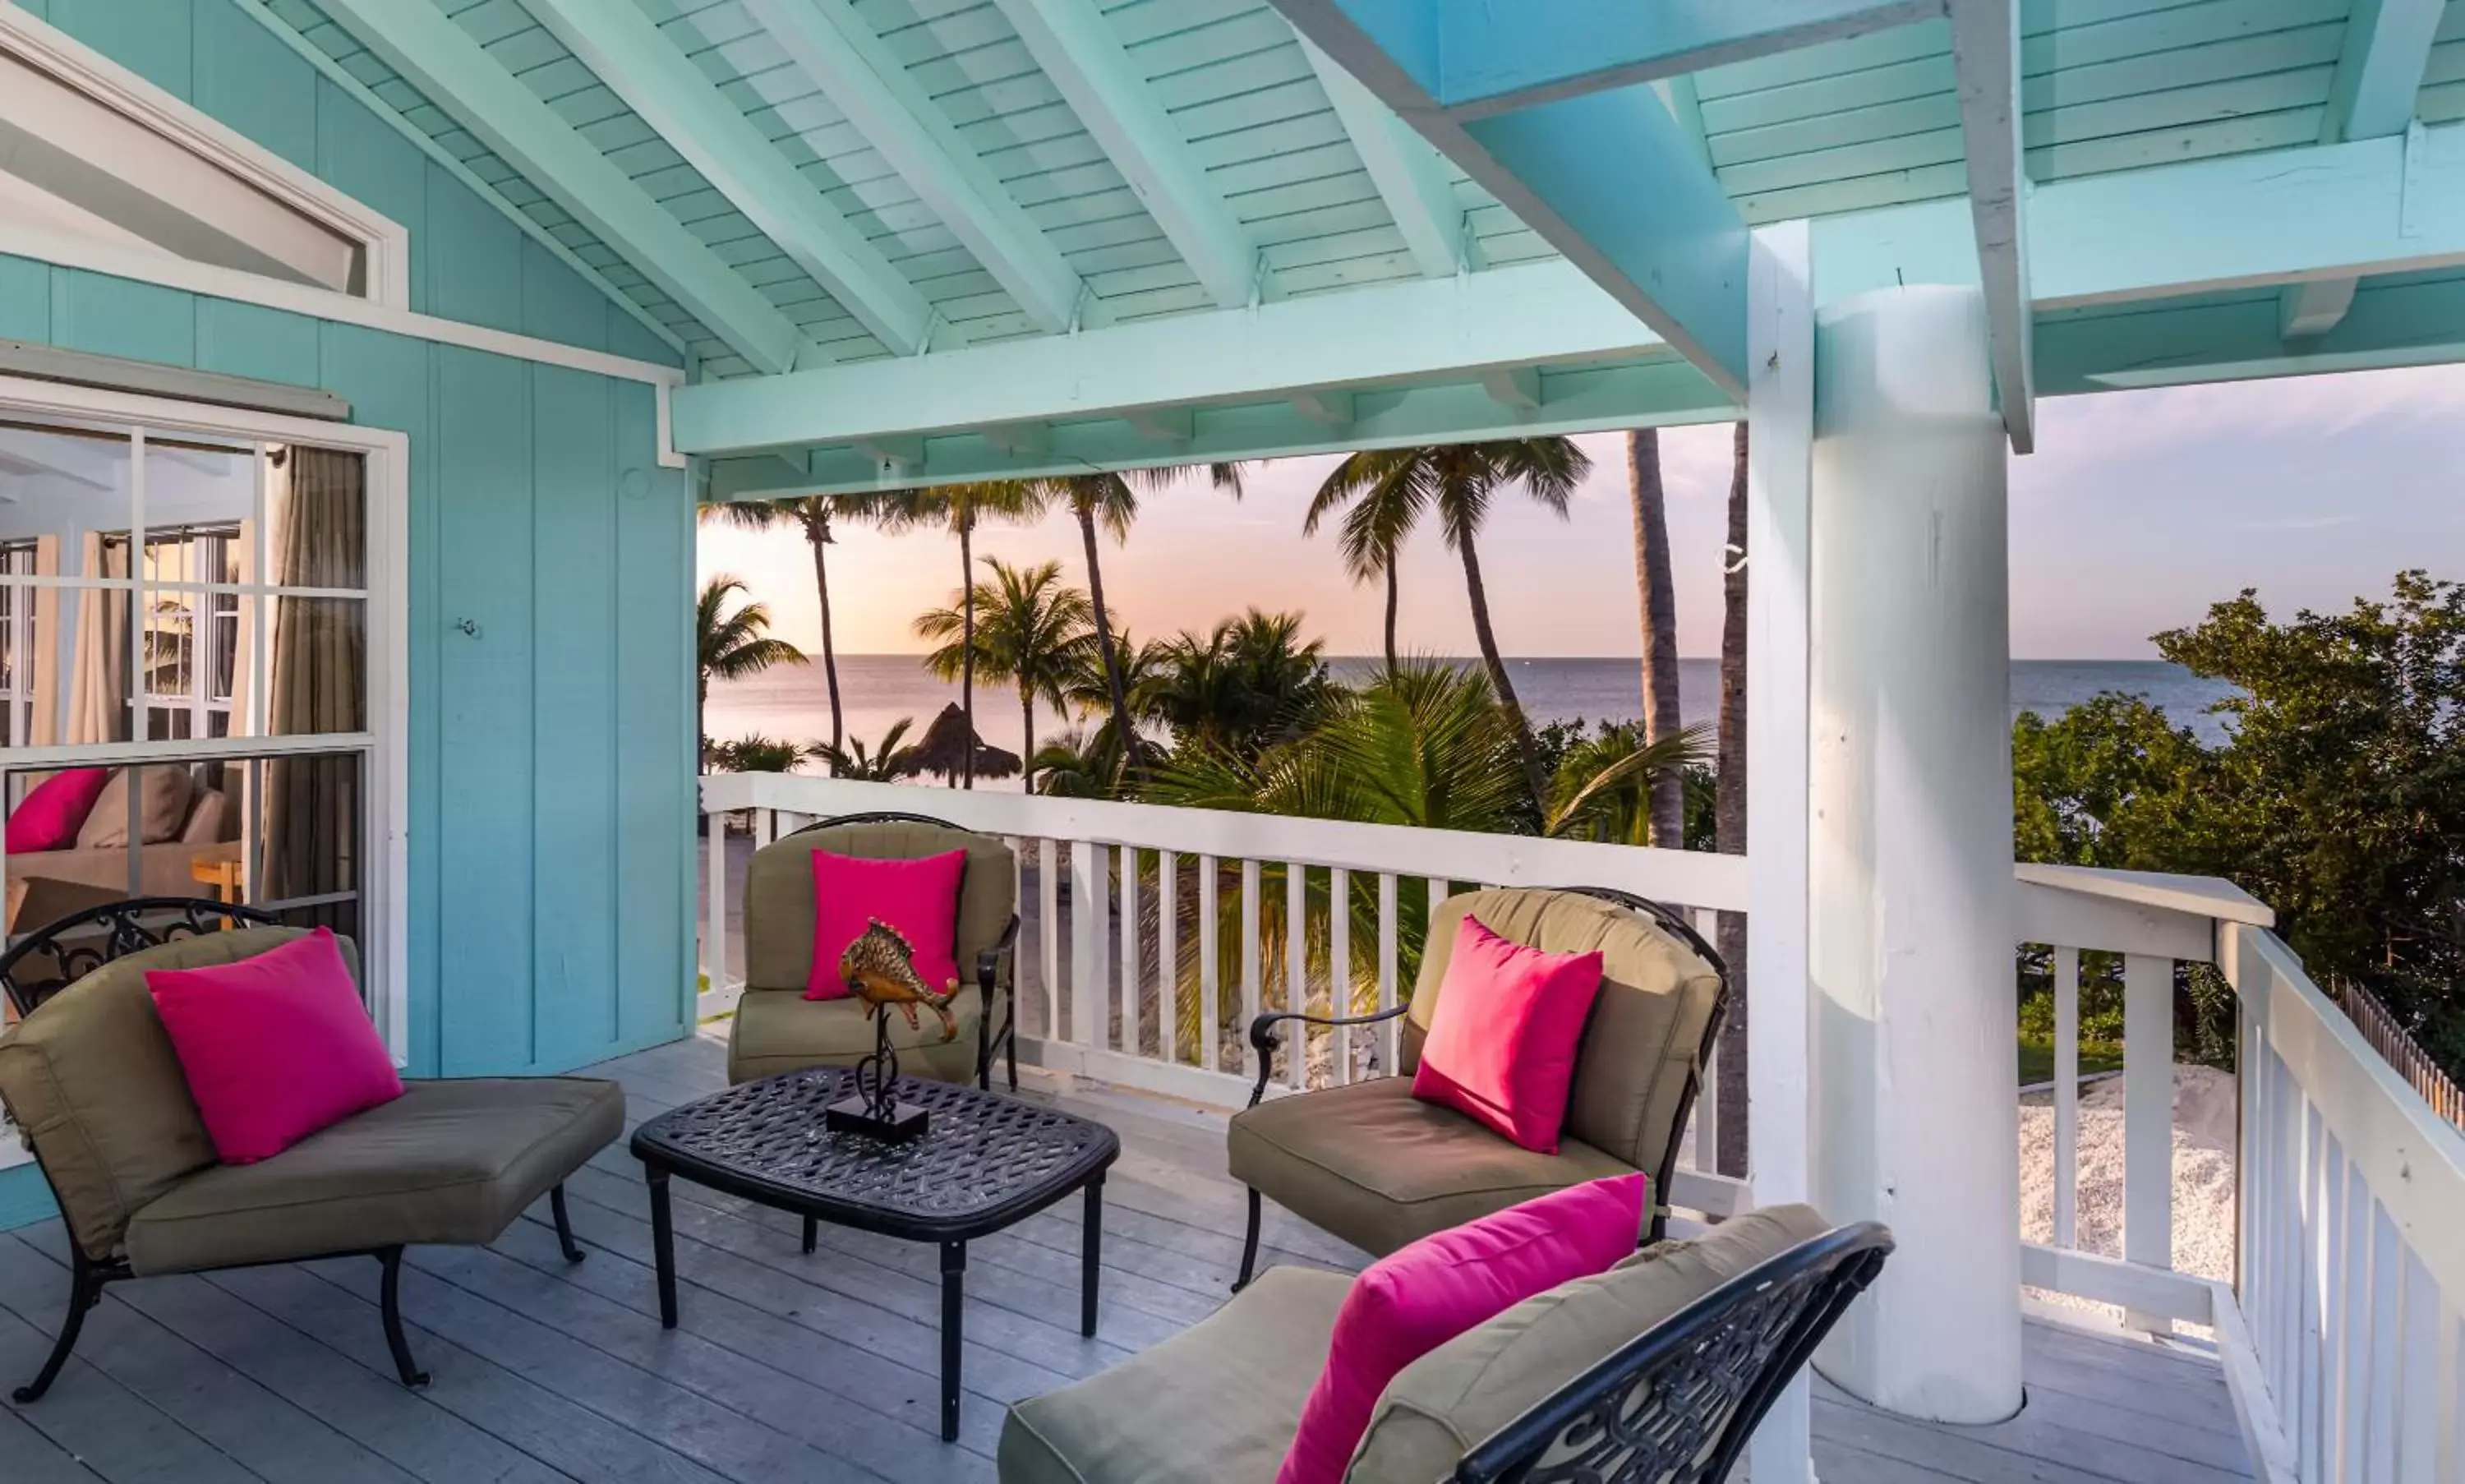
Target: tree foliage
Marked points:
2338	797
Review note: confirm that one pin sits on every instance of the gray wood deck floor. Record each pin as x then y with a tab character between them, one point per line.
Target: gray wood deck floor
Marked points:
789	1369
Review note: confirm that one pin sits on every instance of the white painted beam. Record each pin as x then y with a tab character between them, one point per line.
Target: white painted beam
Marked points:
659	82
2379	76
1078	51
457	75
1658	232
1480	57
1657	393
1417	330
1986	59
1513	386
1411	176
866	81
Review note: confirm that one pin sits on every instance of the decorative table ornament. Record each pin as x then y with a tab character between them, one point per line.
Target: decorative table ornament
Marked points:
879	967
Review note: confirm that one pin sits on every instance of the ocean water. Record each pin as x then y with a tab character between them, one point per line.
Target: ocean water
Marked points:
877	690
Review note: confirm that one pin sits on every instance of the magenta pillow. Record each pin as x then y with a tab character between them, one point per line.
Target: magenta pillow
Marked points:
919	898
1501	1046
50	816
1412	1300
275	1047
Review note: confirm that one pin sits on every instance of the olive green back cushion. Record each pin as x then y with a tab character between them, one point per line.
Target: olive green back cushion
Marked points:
779	892
1643	1043
1455	1397
92	1079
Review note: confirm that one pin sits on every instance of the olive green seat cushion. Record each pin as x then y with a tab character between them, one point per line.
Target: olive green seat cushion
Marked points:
1449	1401
92	1079
1379	1170
1219	1402
451	1161
777	1029
1215	1404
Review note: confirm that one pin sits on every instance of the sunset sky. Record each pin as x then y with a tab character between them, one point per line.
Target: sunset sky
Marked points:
2138	510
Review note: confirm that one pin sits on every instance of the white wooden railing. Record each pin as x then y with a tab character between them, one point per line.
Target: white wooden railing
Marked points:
1213	894
2340	1328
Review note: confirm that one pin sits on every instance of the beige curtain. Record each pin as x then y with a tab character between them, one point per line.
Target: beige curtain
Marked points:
318	680
44	651
98	666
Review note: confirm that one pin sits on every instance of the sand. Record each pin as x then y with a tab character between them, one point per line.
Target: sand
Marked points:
2203	1173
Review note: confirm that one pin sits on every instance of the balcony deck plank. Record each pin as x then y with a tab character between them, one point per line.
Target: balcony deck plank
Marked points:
787	1367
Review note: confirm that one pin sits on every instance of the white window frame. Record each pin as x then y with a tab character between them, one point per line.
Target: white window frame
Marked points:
386	455
383	242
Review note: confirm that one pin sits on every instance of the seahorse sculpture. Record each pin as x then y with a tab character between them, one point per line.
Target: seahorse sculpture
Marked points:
881	967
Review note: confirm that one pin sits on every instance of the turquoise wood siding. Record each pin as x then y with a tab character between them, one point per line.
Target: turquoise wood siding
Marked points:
550	752
550	748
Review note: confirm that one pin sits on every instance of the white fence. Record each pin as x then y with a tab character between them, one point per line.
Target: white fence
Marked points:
2339	1330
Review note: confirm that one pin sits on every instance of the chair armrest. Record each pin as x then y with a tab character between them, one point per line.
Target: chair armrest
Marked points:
1263	1038
988	963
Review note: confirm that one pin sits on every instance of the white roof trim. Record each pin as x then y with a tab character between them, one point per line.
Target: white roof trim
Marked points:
383	242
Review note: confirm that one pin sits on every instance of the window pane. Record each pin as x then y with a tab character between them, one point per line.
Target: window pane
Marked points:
66	508
317	664
200	511
101	835
315	518
69	498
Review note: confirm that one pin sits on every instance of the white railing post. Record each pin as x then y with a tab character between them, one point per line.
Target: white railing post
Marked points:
1297	971
1211	987
1338	971
714	948
2067	972
1168	957
1250	965
2148	1121
1047	930
1131	985
1090	914
1388	951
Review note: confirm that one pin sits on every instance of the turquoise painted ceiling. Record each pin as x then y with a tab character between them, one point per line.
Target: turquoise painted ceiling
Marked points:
2108	85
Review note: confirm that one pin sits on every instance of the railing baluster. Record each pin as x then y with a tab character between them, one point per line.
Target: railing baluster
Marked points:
1250	965
1132	980
1389	914
1090	914
2148	1121
2067	969
1339	970
2384	1333
2353	1300
714	948
1703	1146
1168	958
1048	931
1297	970
1210	1001
765	823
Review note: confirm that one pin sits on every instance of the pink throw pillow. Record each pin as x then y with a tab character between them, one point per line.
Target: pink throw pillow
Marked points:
1412	1300
275	1047
50	816
919	898
1501	1046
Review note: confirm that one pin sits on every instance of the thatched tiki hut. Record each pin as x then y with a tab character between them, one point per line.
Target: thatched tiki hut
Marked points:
943	751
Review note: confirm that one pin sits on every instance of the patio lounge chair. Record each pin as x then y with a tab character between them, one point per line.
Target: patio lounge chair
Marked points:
1378	1167
1655	1370
777	1029
92	1080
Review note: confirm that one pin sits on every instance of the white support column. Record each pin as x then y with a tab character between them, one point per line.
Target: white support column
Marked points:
1910	938
1779	409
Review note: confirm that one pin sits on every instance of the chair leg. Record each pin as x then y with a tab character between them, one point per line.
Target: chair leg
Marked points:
1248	1246
391	1293
1010	1048
573	1251
85	1291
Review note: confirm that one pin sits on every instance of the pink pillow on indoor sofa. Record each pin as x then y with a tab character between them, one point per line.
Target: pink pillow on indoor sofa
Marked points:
1501	1046
50	816
1415	1300
275	1047
919	898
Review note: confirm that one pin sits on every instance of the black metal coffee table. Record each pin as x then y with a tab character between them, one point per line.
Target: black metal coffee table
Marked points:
988	1162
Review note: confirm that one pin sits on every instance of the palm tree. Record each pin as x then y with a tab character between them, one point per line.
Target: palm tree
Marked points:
1386	502
959	509
885	764
1026	627
1111	499
810	515
1459	480
1656	590
1729	811
730	646
1251	682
